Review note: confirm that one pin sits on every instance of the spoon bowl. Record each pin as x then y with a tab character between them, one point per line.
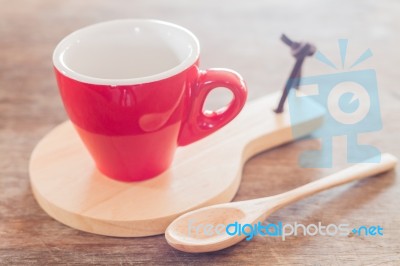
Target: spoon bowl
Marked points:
205	229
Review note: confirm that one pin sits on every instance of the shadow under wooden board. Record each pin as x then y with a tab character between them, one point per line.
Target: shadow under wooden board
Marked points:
67	185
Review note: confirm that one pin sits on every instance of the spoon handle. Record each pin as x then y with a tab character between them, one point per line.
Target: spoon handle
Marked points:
356	172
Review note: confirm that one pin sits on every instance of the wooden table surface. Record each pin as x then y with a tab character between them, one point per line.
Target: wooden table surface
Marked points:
242	35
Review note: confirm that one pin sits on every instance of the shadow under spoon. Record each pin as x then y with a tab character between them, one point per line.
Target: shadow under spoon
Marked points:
201	230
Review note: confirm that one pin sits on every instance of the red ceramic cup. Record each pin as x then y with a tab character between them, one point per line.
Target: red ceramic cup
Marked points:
134	92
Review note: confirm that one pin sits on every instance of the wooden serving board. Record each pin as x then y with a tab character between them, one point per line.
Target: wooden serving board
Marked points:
70	189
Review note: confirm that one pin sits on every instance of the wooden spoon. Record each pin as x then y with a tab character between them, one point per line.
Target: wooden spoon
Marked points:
192	231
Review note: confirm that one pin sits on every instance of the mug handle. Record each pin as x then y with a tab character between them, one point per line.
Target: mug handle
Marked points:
200	124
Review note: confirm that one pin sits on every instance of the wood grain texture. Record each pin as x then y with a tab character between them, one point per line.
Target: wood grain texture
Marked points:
244	36
70	189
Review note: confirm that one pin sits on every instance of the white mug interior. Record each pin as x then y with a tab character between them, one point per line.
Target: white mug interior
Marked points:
126	52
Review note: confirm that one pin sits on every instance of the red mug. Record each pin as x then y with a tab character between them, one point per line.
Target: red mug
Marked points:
134	92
